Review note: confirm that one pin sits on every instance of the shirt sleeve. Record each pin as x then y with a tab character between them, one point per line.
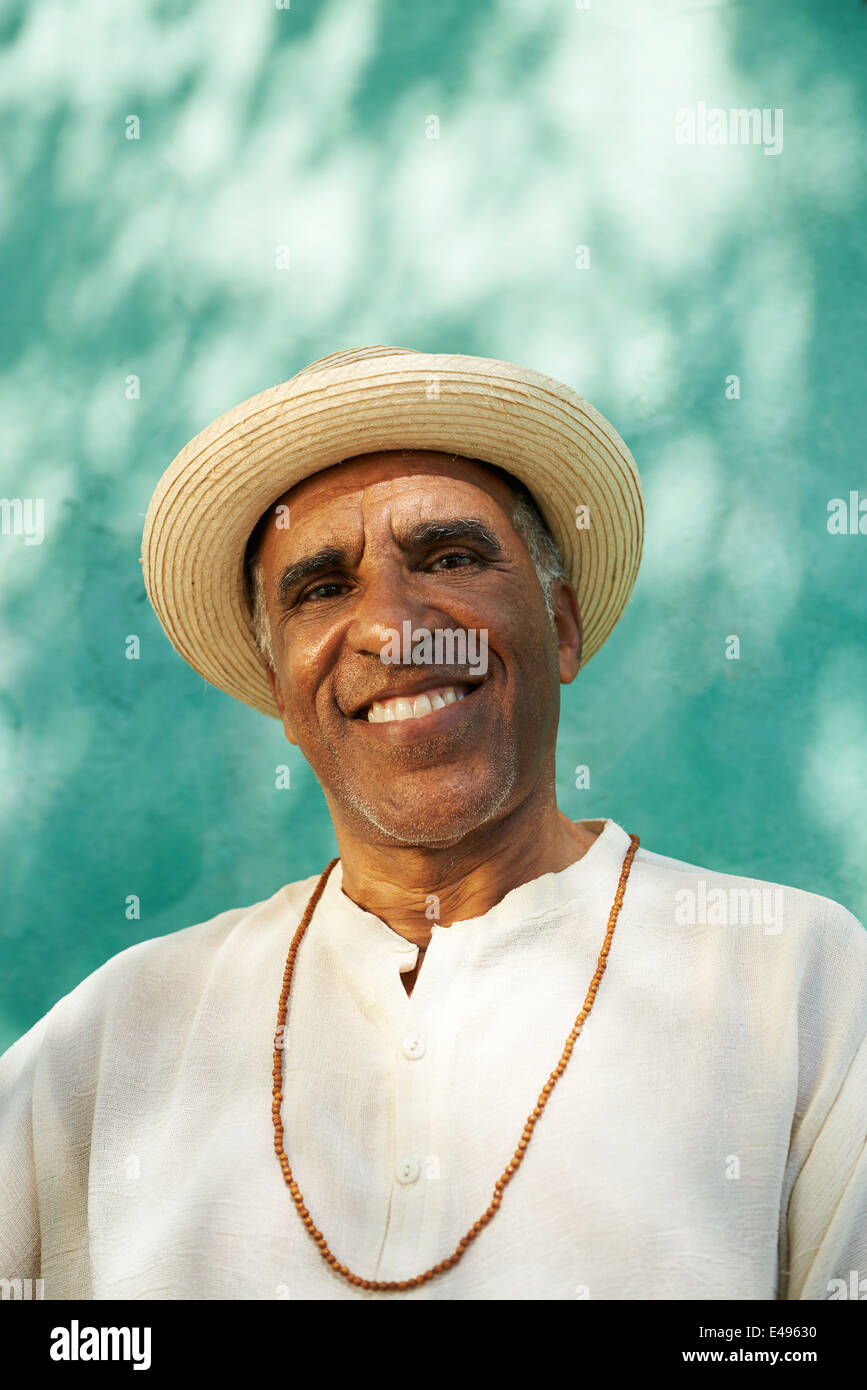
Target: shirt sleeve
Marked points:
824	1246
20	1241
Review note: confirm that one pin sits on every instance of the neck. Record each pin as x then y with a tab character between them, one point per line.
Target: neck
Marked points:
412	887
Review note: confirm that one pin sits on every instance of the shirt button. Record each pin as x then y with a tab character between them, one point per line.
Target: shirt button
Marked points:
407	1171
414	1046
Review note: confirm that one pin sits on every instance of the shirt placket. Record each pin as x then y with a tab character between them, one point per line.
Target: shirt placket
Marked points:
421	1056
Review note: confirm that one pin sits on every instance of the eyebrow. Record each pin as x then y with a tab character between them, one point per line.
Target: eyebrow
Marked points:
328	558
424	533
461	528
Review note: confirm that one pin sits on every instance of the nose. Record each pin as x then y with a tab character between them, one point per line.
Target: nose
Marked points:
387	600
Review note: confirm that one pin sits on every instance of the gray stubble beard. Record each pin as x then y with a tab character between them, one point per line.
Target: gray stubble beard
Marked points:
473	816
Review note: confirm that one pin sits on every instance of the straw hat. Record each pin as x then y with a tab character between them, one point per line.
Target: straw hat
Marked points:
360	401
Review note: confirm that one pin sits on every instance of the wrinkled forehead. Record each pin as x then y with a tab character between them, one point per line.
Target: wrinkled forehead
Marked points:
369	470
403	478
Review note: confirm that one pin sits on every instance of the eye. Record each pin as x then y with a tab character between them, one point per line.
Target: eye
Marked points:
461	557
321	591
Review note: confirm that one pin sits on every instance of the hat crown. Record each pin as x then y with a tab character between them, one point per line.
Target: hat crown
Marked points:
346	355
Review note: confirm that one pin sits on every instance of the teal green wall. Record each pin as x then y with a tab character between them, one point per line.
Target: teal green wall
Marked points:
307	128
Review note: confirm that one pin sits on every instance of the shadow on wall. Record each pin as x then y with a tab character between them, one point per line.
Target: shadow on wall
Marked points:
199	200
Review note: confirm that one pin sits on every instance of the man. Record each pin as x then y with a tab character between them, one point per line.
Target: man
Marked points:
512	1056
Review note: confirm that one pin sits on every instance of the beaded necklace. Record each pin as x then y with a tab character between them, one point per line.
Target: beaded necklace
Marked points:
399	1286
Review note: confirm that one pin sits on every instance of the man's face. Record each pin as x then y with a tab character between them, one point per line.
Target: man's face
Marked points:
361	558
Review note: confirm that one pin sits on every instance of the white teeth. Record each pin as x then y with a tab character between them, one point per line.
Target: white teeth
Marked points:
399	707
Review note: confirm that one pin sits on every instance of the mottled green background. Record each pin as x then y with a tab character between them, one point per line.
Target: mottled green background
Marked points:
307	128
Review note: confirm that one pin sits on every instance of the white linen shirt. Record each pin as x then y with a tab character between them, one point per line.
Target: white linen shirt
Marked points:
706	1141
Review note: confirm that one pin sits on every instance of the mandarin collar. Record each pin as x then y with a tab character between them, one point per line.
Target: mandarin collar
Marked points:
363	938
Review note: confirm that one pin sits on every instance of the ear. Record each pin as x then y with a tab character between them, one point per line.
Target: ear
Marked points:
568	629
278	698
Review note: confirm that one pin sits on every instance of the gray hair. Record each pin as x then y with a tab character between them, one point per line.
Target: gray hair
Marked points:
545	556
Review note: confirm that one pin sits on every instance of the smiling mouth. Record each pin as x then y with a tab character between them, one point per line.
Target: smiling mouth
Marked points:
399	708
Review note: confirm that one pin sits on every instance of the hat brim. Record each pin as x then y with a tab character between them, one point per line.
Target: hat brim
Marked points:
210	498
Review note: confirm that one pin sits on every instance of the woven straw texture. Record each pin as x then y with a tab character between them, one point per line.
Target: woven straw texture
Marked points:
358	401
